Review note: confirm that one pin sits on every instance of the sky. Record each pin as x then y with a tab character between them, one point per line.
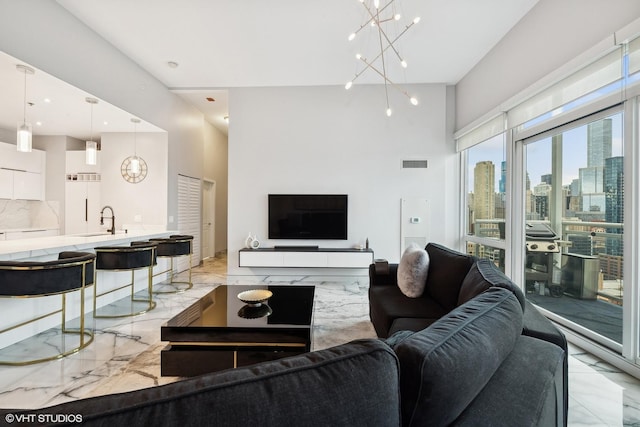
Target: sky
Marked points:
538	153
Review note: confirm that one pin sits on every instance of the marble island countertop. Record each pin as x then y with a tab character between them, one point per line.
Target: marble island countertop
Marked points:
48	247
15	230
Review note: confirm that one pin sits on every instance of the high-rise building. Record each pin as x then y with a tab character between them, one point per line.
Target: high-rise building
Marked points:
599	148
599	136
484	190
502	185
614	201
546	178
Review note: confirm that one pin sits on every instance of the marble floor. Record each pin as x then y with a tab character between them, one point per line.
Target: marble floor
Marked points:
125	353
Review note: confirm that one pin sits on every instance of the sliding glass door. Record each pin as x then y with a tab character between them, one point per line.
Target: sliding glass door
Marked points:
574	223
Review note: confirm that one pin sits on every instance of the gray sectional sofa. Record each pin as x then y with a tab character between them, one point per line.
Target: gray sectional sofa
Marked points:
471	367
454	279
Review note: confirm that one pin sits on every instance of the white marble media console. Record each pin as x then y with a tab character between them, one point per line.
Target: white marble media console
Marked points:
306	258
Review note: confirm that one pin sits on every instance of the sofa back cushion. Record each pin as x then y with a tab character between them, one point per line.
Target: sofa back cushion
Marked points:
483	275
447	270
351	384
444	367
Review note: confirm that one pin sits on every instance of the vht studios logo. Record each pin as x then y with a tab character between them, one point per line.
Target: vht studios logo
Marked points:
43	418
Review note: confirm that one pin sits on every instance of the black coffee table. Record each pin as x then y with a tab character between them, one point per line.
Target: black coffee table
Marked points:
211	335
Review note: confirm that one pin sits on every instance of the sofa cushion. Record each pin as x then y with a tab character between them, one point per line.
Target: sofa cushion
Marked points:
444	367
447	270
483	275
412	271
535	366
410	324
327	387
387	303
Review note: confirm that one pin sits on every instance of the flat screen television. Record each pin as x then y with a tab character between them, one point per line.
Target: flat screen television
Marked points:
308	216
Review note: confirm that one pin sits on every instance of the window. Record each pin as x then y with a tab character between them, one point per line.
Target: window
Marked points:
486	199
574	205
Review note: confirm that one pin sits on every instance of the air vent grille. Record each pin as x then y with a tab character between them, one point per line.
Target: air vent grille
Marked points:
414	164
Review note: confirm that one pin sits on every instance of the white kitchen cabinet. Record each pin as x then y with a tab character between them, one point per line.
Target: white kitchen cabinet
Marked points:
82	207
82	195
21	174
6	184
21	185
30	162
28	186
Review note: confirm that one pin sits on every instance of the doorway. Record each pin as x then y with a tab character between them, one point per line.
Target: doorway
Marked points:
208	219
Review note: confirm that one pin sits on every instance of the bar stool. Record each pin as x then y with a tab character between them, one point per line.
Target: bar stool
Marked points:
174	247
127	258
72	271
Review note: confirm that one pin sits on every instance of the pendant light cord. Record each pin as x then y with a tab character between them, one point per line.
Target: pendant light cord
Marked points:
24	105
91	126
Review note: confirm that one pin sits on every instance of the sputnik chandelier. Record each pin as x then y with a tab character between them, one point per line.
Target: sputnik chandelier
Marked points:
383	21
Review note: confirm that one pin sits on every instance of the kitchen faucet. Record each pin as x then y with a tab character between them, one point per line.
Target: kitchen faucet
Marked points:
111	230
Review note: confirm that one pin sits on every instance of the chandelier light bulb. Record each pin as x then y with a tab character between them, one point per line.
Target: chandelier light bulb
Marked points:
389	111
348	85
403	63
352	36
416	20
413	100
397	16
358	56
376	4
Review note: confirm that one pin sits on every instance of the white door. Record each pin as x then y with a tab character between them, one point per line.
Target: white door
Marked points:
189	193
208	219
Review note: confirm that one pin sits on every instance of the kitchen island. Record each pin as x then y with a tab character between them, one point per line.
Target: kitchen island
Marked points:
45	248
17	310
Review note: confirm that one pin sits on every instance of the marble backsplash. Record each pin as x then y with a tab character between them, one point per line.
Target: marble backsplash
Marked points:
29	214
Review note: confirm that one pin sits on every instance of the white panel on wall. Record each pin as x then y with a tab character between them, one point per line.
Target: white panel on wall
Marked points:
414	226
189	192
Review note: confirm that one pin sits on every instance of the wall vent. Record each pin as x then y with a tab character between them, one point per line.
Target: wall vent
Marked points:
414	164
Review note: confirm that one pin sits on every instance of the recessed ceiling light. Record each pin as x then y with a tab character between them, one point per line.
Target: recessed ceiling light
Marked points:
38	123
105	122
172	64
210	99
47	100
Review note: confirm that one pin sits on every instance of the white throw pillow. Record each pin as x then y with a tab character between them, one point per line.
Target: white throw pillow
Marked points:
413	270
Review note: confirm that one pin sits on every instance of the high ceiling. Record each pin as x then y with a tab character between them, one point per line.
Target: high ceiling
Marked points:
221	44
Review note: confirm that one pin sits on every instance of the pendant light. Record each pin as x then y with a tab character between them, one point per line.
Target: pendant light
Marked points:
135	160
24	133
134	168
91	147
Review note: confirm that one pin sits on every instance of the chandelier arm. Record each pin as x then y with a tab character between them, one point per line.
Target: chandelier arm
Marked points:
387	80
384	66
376	18
391	42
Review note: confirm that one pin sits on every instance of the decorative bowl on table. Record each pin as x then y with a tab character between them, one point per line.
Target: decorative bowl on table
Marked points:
255	297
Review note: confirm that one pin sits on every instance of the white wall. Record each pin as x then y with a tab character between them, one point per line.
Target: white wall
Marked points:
147	198
216	169
57	43
328	140
550	35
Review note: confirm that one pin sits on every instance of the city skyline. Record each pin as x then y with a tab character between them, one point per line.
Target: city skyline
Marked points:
538	153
